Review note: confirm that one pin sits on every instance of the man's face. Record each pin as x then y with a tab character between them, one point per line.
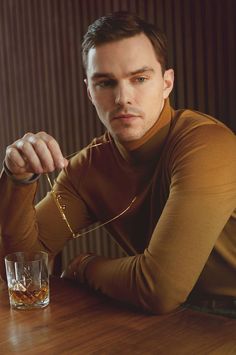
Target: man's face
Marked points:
126	85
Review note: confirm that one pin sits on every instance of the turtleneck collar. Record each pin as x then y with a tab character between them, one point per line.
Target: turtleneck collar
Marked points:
149	145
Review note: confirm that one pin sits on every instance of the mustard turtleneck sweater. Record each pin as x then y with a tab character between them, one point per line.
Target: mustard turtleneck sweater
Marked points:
180	231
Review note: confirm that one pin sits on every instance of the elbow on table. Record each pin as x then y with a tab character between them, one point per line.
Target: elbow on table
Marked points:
158	306
158	292
161	308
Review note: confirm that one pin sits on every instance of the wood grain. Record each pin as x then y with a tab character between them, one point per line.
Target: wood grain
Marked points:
79	321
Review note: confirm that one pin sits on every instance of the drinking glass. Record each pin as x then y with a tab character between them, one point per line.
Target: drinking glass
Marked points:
27	279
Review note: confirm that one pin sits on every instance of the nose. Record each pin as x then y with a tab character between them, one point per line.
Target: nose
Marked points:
123	94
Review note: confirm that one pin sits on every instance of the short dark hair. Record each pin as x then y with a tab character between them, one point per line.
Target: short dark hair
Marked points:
119	25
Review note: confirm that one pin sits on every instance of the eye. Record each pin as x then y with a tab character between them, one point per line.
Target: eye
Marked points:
105	83
140	79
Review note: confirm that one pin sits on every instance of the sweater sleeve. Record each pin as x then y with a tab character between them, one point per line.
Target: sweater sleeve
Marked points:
17	217
201	200
24	226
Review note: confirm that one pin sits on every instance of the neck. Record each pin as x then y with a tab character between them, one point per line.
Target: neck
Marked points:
152	138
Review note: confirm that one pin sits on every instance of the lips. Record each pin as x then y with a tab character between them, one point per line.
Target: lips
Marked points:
125	117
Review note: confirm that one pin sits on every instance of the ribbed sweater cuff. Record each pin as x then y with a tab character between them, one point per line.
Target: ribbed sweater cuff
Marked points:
33	178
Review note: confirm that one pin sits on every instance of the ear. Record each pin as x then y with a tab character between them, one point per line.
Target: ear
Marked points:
88	91
168	82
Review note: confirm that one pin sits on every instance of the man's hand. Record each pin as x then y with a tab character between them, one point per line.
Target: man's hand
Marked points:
34	154
76	268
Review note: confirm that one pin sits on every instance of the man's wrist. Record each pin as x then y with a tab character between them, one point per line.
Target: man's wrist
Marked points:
79	274
24	180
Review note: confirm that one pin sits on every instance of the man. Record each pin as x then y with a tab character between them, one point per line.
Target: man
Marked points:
162	181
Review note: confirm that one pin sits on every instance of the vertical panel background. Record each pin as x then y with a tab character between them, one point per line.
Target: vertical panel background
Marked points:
41	78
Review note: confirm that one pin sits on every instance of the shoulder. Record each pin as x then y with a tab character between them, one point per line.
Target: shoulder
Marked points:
201	148
192	128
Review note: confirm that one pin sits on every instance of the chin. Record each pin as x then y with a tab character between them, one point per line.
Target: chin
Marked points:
125	138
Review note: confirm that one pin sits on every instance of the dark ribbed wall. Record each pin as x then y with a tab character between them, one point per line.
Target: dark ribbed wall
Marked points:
41	78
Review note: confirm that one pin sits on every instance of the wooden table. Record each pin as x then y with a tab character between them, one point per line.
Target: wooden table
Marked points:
79	321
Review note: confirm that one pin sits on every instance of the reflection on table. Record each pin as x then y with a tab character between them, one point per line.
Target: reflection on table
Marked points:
80	321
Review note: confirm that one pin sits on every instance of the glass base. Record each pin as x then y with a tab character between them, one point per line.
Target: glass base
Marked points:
23	306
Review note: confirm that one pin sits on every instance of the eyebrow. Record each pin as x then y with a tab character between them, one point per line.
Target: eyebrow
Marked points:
110	75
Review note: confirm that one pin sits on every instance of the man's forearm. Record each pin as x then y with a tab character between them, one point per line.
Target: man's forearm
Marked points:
17	216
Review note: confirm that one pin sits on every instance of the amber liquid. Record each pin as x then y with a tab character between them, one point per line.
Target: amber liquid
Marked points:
30	297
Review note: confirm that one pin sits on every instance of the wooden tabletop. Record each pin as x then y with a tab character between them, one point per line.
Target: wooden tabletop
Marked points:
79	321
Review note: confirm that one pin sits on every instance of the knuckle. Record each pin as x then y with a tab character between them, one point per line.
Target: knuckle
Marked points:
9	150
51	142
43	135
10	153
28	135
38	143
47	139
23	145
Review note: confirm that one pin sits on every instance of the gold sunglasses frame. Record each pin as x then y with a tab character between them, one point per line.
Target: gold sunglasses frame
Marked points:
56	196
